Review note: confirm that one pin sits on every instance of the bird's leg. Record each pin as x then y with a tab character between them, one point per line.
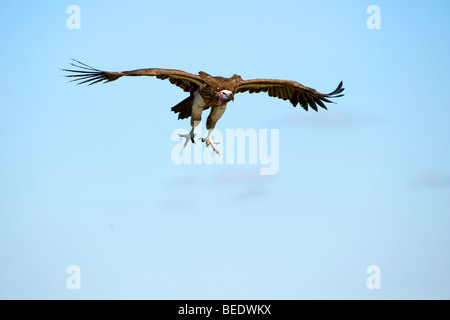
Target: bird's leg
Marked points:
189	136
210	142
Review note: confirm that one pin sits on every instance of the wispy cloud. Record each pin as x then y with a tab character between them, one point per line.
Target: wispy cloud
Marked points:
243	184
255	192
242	176
250	184
338	118
433	179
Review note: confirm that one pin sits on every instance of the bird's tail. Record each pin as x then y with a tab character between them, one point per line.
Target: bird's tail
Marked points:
184	107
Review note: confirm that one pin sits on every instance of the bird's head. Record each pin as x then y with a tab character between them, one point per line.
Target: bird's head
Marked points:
225	96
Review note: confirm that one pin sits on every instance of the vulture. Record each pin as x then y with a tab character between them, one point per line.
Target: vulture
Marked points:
206	91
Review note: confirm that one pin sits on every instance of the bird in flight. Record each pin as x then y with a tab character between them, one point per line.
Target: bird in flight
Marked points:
208	91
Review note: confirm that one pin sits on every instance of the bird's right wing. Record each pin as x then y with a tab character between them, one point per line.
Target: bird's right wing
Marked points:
89	75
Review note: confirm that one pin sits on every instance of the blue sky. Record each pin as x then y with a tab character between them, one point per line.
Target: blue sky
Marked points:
87	177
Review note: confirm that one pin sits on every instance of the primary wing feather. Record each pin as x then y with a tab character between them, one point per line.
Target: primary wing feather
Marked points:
293	91
89	75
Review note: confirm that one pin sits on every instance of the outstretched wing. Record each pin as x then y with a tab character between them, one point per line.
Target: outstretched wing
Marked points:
292	91
87	74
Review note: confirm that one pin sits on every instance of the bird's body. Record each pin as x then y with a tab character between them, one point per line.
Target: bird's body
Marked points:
207	91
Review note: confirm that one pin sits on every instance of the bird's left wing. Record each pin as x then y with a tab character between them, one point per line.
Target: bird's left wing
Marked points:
293	91
89	75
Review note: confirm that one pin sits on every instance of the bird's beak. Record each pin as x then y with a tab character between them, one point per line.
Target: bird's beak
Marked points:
231	97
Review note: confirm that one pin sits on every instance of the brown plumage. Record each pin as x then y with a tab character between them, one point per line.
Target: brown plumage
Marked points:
207	91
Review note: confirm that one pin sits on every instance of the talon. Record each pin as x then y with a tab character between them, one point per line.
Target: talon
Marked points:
211	143
188	137
217	151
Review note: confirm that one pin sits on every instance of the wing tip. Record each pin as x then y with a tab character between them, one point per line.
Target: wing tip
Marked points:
85	74
337	91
